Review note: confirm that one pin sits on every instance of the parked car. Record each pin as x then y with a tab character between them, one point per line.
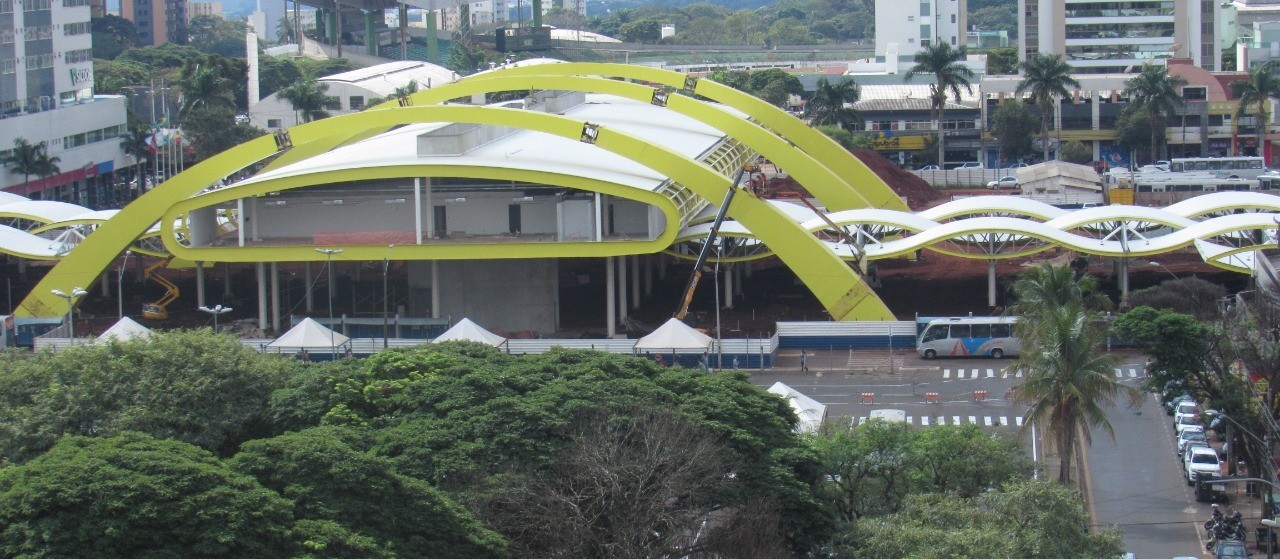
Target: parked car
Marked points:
1184	409
1185	421
1190	435
1172	405
930	168
1200	460
1230	549
1003	182
970	165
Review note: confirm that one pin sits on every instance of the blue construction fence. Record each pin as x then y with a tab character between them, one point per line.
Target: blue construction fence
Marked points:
847	335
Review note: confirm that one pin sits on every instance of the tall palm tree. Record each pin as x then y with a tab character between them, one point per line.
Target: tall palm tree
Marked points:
1069	377
205	89
1069	381
949	72
1156	93
136	144
827	106
1047	77
308	98
30	159
403	92
1262	86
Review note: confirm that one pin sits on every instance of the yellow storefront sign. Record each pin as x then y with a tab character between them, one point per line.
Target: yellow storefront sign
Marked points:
900	143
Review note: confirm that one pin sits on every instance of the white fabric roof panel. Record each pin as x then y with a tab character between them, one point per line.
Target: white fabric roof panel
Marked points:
674	334
17	241
809	411
468	331
47	211
309	334
383	79
532	151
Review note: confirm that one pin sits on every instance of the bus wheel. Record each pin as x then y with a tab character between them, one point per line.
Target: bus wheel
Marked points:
997	353
930	354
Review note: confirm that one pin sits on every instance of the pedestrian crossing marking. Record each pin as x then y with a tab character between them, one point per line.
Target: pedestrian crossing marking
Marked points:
991	373
955	420
924	420
946	373
985	420
942	420
1018	420
972	419
1133	373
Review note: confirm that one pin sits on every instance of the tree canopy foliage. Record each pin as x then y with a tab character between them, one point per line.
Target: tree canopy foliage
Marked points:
449	450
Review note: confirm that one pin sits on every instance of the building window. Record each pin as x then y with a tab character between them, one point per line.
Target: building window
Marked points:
911	18
273	123
8	65
356	102
36	5
74	56
40	61
6	6
924	9
80	28
1195	93
333	104
6	36
953	19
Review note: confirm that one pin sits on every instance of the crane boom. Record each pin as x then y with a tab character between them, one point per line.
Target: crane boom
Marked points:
692	285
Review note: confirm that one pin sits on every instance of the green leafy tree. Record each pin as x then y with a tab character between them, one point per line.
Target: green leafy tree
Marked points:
214	130
847	139
112	35
308	98
1134	131
1013	126
1188	295
136	144
1262	86
206	390
29	159
946	65
964	460
1002	61
215	35
330	479
137	496
790	31
1156	94
206	89
275	74
1047	78
1024	519
1075	152
112	77
827	106
647	30
467	58
1181	349
157	59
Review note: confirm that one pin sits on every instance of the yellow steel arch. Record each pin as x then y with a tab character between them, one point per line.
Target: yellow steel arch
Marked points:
855	173
840	290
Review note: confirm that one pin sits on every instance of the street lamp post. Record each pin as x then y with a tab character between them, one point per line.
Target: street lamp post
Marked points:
716	288
215	311
1162	266
120	285
71	297
329	252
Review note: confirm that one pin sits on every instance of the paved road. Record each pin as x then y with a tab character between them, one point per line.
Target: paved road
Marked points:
1138	486
1136	481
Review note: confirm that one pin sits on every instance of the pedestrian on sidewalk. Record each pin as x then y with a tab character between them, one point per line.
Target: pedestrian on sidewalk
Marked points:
804	361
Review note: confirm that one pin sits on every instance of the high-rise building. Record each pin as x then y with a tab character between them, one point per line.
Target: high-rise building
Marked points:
914	24
158	21
46	95
203	9
1120	36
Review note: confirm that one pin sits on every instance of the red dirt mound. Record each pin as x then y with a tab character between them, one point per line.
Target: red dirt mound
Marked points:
914	189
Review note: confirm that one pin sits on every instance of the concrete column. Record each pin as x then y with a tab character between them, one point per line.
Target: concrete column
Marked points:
1124	280
622	287
610	304
227	295
106	283
991	283
728	285
435	289
262	295
370	36
200	284
429	208
275	296
635	282
648	275
253	219
417	210
240	216
600	220
310	297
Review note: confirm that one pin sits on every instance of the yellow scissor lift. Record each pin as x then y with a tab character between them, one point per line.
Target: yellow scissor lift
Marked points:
158	310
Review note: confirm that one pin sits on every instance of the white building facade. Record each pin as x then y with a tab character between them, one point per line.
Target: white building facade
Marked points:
912	25
1120	36
46	95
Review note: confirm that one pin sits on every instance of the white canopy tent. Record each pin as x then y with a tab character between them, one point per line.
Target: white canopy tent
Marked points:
309	335
674	334
466	330
810	411
126	329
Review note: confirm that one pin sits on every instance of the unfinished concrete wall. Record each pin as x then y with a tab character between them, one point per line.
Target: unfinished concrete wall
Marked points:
510	294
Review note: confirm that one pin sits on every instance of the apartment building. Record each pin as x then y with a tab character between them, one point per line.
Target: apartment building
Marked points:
46	95
1116	37
912	25
158	21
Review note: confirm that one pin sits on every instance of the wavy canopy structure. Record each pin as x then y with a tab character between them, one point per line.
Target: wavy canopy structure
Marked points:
659	141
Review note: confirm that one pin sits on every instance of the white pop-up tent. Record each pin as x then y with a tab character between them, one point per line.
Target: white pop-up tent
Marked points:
468	331
674	335
309	335
125	329
810	411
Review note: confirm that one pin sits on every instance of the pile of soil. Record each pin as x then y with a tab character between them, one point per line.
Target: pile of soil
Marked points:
915	190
